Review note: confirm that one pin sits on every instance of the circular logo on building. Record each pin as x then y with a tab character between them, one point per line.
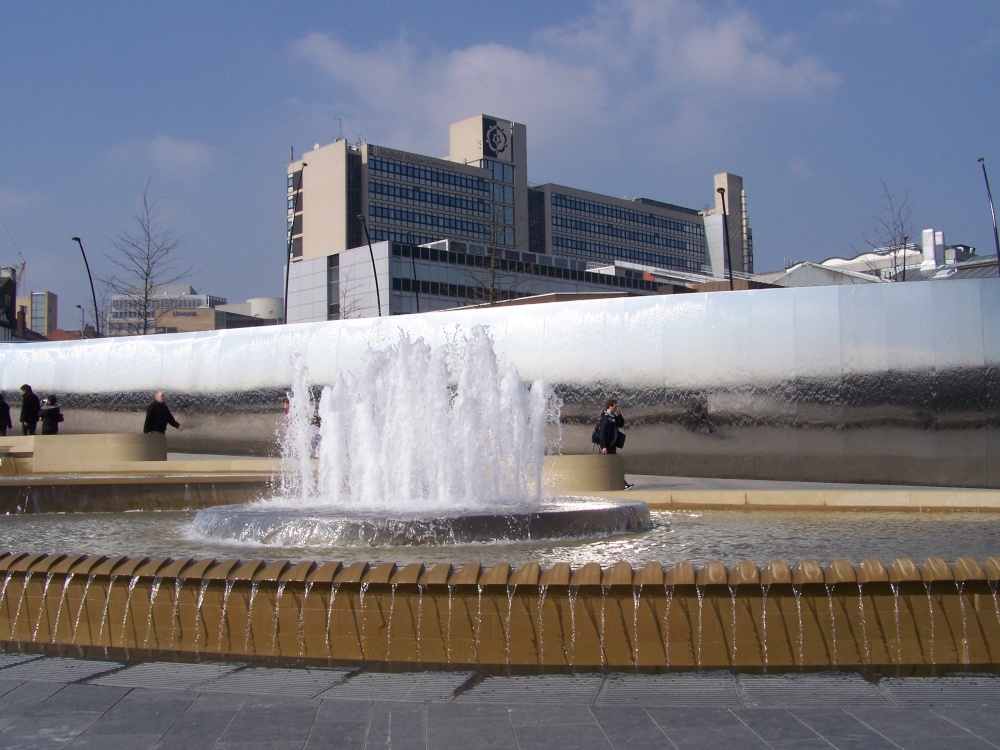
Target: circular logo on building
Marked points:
496	139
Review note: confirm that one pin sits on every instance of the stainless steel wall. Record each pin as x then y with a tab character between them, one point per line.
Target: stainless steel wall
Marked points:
875	383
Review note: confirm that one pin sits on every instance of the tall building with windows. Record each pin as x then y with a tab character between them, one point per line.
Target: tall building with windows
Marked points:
478	198
41	310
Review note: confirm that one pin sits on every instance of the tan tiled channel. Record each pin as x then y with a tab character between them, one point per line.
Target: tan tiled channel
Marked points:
803	616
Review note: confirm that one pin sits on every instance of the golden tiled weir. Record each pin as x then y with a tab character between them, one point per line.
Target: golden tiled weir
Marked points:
901	613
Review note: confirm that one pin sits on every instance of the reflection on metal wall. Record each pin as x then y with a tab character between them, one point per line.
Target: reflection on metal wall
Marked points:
887	382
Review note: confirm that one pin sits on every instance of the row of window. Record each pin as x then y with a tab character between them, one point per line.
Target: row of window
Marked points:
380	234
626	215
610	253
626	235
129	303
416	196
475	292
507	262
452	225
429	176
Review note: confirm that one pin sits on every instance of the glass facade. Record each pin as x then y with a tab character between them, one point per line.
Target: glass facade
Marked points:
437	278
39	319
420	203
604	232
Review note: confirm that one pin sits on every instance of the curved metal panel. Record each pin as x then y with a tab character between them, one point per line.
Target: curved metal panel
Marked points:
882	382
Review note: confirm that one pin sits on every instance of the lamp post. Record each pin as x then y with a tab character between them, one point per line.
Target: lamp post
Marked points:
725	239
97	319
371	252
83	318
996	242
288	255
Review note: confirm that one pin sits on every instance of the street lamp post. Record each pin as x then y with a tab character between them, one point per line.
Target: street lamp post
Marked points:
371	252
996	241
83	319
288	254
726	265
97	319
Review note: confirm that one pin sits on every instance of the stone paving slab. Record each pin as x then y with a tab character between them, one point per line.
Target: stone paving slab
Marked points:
405	686
809	690
58	669
222	706
180	676
301	682
682	689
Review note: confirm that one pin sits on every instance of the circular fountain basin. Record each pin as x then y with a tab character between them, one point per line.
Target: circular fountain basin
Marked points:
553	518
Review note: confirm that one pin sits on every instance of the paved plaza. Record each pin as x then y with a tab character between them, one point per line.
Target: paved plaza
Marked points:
64	702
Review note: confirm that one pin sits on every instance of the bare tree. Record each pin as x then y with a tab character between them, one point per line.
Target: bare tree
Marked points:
348	299
146	260
491	283
892	230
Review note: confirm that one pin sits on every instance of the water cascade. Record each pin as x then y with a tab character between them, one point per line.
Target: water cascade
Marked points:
617	617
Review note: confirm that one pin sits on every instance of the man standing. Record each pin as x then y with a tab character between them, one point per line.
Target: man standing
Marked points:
31	407
608	431
158	416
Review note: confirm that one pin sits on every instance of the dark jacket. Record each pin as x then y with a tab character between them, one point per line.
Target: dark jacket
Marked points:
158	416
31	406
607	430
5	415
51	417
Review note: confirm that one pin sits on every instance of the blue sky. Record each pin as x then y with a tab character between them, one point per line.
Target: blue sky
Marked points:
816	105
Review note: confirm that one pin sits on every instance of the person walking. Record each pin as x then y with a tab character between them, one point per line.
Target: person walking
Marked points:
609	435
5	423
51	416
158	416
31	407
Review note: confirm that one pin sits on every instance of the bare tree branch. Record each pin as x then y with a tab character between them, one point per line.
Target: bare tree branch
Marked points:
146	261
892	230
490	284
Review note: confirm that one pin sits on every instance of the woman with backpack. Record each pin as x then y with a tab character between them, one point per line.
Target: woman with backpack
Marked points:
51	416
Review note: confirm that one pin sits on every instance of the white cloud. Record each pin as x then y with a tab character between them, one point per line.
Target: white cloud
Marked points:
20	200
166	155
657	76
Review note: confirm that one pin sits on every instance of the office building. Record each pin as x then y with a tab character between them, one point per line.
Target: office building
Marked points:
477	198
40	311
178	308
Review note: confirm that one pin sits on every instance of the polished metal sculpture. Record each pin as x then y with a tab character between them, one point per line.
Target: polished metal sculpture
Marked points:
869	383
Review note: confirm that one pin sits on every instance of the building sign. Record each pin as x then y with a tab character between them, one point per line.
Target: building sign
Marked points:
498	140
408	158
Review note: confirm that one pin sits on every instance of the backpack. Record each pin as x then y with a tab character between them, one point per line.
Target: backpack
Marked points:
595	438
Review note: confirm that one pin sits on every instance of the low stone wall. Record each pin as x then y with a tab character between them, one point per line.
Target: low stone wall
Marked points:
58	454
801	617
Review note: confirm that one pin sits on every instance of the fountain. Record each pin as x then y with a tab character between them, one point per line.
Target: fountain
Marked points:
422	446
643	614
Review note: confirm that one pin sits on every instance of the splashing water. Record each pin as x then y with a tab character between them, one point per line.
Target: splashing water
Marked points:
419	428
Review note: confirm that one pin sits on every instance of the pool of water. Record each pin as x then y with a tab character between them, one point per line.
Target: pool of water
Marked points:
698	536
